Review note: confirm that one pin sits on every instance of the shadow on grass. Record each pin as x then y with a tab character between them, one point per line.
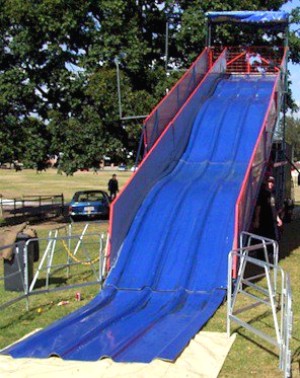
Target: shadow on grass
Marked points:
291	237
295	358
56	281
290	241
263	320
75	278
257	344
25	317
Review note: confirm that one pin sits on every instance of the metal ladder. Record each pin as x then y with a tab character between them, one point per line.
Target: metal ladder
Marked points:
275	293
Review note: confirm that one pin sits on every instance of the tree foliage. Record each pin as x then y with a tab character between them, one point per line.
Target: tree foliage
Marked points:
58	89
292	134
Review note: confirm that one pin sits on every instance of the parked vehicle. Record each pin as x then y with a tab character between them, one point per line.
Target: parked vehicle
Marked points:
134	168
122	167
89	204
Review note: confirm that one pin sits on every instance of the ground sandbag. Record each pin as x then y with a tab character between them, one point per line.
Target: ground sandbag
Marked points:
9	236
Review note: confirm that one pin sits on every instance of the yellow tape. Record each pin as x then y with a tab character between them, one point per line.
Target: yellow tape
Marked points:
76	259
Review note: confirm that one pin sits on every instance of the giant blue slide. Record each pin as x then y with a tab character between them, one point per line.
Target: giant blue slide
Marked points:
170	273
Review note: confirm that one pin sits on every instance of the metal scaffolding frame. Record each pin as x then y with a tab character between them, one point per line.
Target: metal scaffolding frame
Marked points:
274	292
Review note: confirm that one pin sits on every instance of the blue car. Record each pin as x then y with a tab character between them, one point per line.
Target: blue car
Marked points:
89	204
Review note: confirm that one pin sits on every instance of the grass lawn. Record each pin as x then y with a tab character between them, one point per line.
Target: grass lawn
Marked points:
28	182
249	356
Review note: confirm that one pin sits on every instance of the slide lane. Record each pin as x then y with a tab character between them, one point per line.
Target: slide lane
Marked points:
171	273
184	229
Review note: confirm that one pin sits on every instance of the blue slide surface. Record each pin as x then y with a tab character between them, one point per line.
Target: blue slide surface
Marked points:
171	273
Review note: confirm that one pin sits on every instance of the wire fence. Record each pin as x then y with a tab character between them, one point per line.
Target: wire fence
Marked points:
61	261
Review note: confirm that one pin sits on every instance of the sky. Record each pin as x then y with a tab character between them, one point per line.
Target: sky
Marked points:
294	68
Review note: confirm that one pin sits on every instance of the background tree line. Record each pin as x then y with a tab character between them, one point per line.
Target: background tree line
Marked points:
58	90
292	133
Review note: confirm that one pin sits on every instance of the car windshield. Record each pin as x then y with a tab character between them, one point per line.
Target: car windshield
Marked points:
88	196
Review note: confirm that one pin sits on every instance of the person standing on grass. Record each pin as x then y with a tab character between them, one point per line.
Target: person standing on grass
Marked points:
113	187
266	219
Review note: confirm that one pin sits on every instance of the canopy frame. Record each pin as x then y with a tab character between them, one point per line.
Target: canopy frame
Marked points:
258	19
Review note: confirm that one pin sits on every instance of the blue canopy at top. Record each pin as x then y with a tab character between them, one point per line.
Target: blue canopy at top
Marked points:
258	17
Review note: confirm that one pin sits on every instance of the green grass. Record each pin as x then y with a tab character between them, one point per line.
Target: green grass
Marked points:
16	322
249	355
28	182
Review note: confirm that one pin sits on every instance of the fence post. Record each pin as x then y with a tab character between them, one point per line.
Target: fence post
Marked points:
62	204
1	207
26	273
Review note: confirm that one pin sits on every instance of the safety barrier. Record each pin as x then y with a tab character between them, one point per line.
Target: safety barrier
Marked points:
78	259
274	292
260	157
31	205
250	60
165	111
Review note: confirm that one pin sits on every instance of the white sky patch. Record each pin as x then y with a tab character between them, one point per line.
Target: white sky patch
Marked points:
40	93
74	68
295	79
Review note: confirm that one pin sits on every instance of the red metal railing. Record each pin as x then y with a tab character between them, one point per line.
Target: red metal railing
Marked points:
165	111
254	60
260	157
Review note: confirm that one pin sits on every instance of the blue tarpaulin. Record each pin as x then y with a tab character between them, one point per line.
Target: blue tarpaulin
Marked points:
257	17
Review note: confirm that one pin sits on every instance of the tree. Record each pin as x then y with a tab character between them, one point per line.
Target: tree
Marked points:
292	133
58	73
